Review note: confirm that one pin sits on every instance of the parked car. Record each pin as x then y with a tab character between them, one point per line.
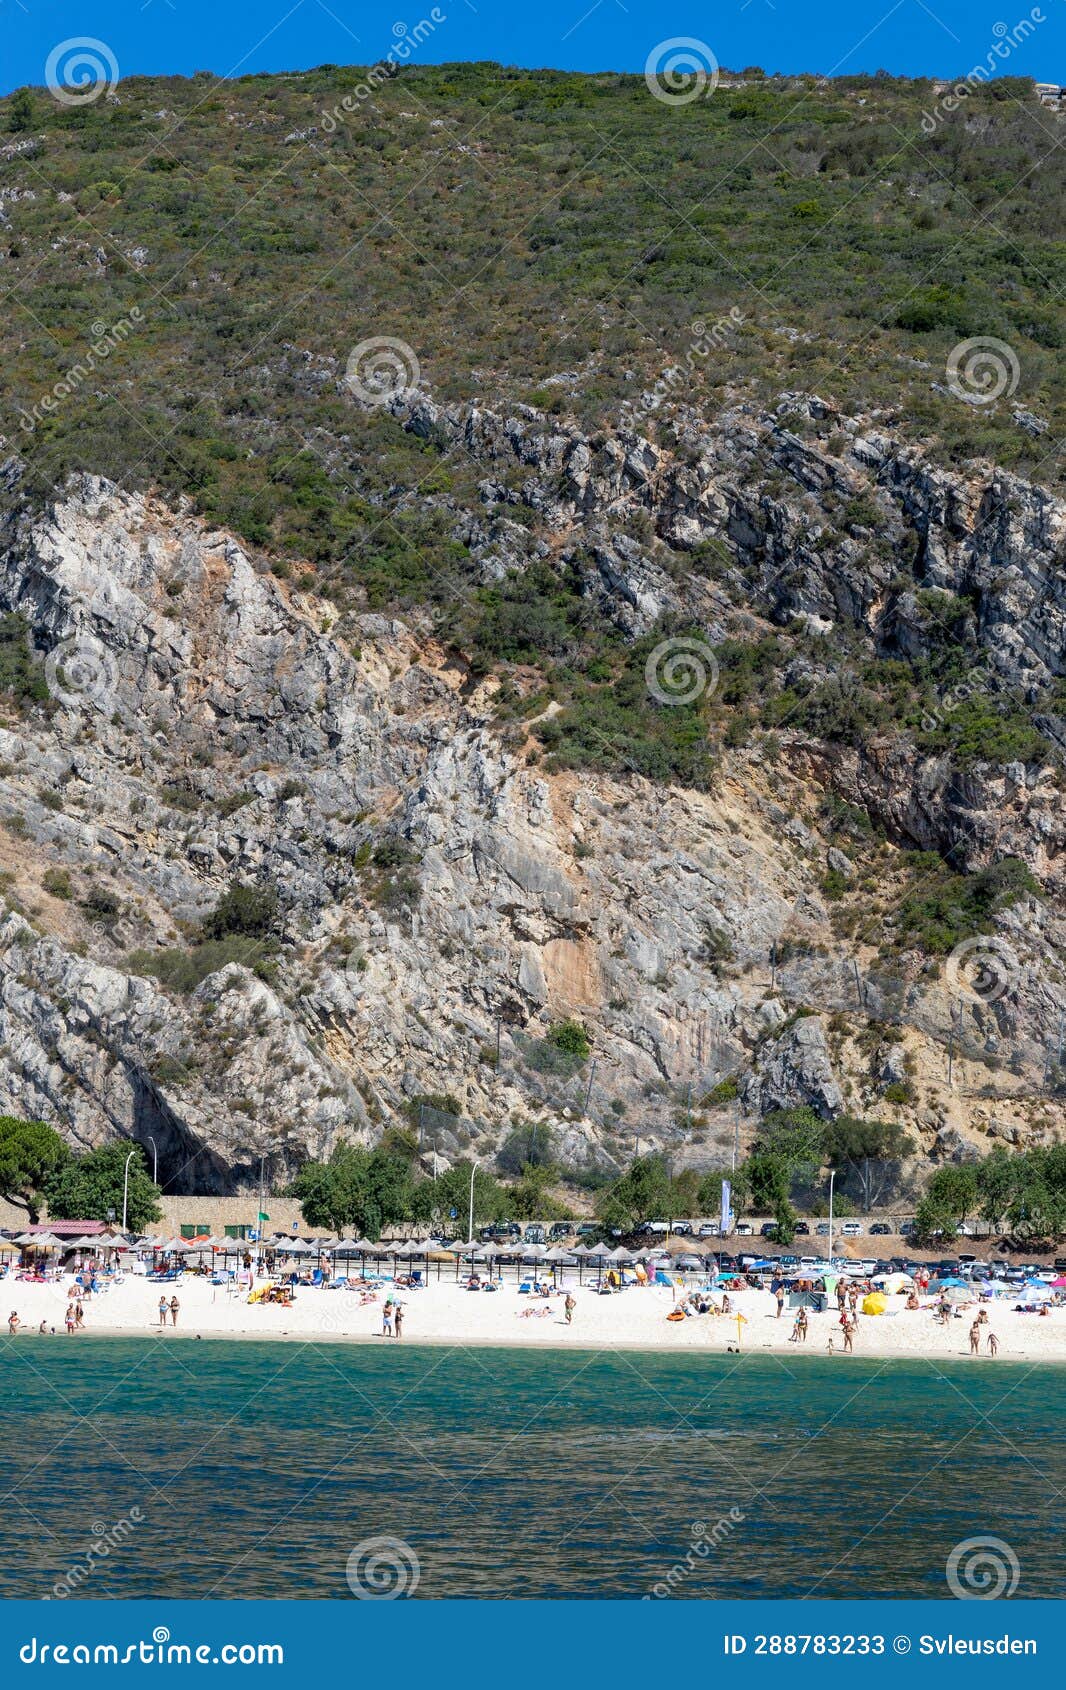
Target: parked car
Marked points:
880	1229
822	1229
587	1229
851	1229
802	1229
710	1229
659	1229
744	1229
768	1229
808	1262
682	1229
559	1230
533	1235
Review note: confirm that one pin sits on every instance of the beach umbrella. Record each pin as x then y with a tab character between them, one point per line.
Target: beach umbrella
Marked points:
621	1255
874	1303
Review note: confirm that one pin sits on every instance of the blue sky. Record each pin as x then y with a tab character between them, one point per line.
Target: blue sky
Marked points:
233	37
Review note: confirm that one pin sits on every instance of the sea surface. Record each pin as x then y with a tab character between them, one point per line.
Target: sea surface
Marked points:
136	1468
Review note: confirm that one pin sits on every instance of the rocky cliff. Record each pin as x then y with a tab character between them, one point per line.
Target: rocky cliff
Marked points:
447	893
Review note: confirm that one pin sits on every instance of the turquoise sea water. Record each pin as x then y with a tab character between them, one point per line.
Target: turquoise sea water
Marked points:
254	1470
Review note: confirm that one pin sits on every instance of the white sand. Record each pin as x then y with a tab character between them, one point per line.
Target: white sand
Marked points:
444	1312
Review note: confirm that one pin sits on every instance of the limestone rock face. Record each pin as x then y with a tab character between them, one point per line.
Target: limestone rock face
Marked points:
438	895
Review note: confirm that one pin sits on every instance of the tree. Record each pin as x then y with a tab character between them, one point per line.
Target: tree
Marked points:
434	1199
641	1194
31	1154
709	1198
571	1038
531	1144
247	910
90	1187
21	111
364	1190
852	1145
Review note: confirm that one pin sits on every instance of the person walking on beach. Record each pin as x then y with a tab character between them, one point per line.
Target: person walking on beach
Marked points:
569	1306
79	1316
975	1339
162	1311
174	1307
70	1318
398	1320
993	1344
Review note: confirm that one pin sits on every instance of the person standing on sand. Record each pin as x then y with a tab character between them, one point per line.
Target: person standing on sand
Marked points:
79	1316
162	1311
569	1306
993	1343
13	1322
69	1317
174	1307
975	1339
849	1334
386	1321
398	1319
780	1295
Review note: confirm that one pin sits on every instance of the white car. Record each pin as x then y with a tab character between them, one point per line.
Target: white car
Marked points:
710	1229
851	1229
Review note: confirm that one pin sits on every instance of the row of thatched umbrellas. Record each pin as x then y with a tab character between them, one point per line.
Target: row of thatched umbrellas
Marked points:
427	1249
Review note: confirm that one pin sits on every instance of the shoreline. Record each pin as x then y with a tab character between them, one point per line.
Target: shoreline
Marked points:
443	1315
362	1340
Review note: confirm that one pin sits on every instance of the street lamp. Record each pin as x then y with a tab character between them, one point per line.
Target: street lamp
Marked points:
473	1171
832	1177
155	1160
126	1186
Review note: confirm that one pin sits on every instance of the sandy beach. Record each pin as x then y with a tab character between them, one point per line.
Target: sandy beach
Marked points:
447	1313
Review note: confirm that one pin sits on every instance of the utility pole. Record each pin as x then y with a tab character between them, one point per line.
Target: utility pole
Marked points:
126	1187
499	1030
736	1134
773	964
155	1160
588	1092
951	1045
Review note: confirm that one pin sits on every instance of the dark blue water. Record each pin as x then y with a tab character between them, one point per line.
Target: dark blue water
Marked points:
195	1469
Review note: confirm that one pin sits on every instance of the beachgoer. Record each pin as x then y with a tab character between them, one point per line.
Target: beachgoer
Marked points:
975	1339
13	1323
398	1320
569	1306
163	1311
780	1295
801	1323
79	1315
386	1321
727	1307
43	1328
993	1343
174	1307
70	1318
830	1346
849	1334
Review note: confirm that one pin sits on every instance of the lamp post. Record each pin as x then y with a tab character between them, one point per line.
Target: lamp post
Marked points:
473	1171
126	1186
155	1160
832	1177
